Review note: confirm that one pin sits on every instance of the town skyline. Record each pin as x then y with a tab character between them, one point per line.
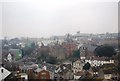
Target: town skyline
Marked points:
71	34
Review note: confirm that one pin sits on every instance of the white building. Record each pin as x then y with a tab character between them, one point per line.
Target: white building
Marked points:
24	76
9	57
78	66
95	62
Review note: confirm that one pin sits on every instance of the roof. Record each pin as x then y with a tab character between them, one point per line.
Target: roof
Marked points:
89	47
99	58
38	70
78	62
22	74
14	50
50	67
95	69
67	62
107	71
80	73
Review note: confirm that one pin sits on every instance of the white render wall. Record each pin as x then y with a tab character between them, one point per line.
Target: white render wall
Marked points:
24	76
77	67
98	62
76	77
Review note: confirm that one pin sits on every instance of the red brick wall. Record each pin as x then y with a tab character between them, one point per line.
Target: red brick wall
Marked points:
43	75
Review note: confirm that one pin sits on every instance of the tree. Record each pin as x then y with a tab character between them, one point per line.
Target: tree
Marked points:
14	46
5	44
33	45
76	54
86	66
105	50
51	60
27	51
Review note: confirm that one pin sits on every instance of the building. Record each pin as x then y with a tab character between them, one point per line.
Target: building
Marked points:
78	66
95	71
83	53
64	71
31	74
87	55
70	47
77	75
87	51
23	76
107	74
9	57
99	61
43	74
17	54
57	51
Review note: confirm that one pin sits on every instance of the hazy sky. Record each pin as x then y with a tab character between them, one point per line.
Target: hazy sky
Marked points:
46	18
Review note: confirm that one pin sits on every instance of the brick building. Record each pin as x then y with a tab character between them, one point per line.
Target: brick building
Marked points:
44	74
70	47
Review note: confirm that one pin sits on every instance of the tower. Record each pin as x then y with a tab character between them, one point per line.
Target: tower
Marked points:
83	53
9	57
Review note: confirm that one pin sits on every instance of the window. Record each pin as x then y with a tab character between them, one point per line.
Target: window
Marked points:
2	71
43	77
43	73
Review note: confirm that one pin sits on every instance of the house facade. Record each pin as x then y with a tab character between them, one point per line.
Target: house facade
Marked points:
78	66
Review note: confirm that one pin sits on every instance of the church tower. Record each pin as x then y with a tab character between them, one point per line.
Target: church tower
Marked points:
83	53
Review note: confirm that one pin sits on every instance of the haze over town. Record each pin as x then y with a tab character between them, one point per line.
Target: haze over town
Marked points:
48	18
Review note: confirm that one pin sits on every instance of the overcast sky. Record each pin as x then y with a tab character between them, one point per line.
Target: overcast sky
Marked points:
46	18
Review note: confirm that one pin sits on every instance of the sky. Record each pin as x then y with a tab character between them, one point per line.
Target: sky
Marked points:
45	18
